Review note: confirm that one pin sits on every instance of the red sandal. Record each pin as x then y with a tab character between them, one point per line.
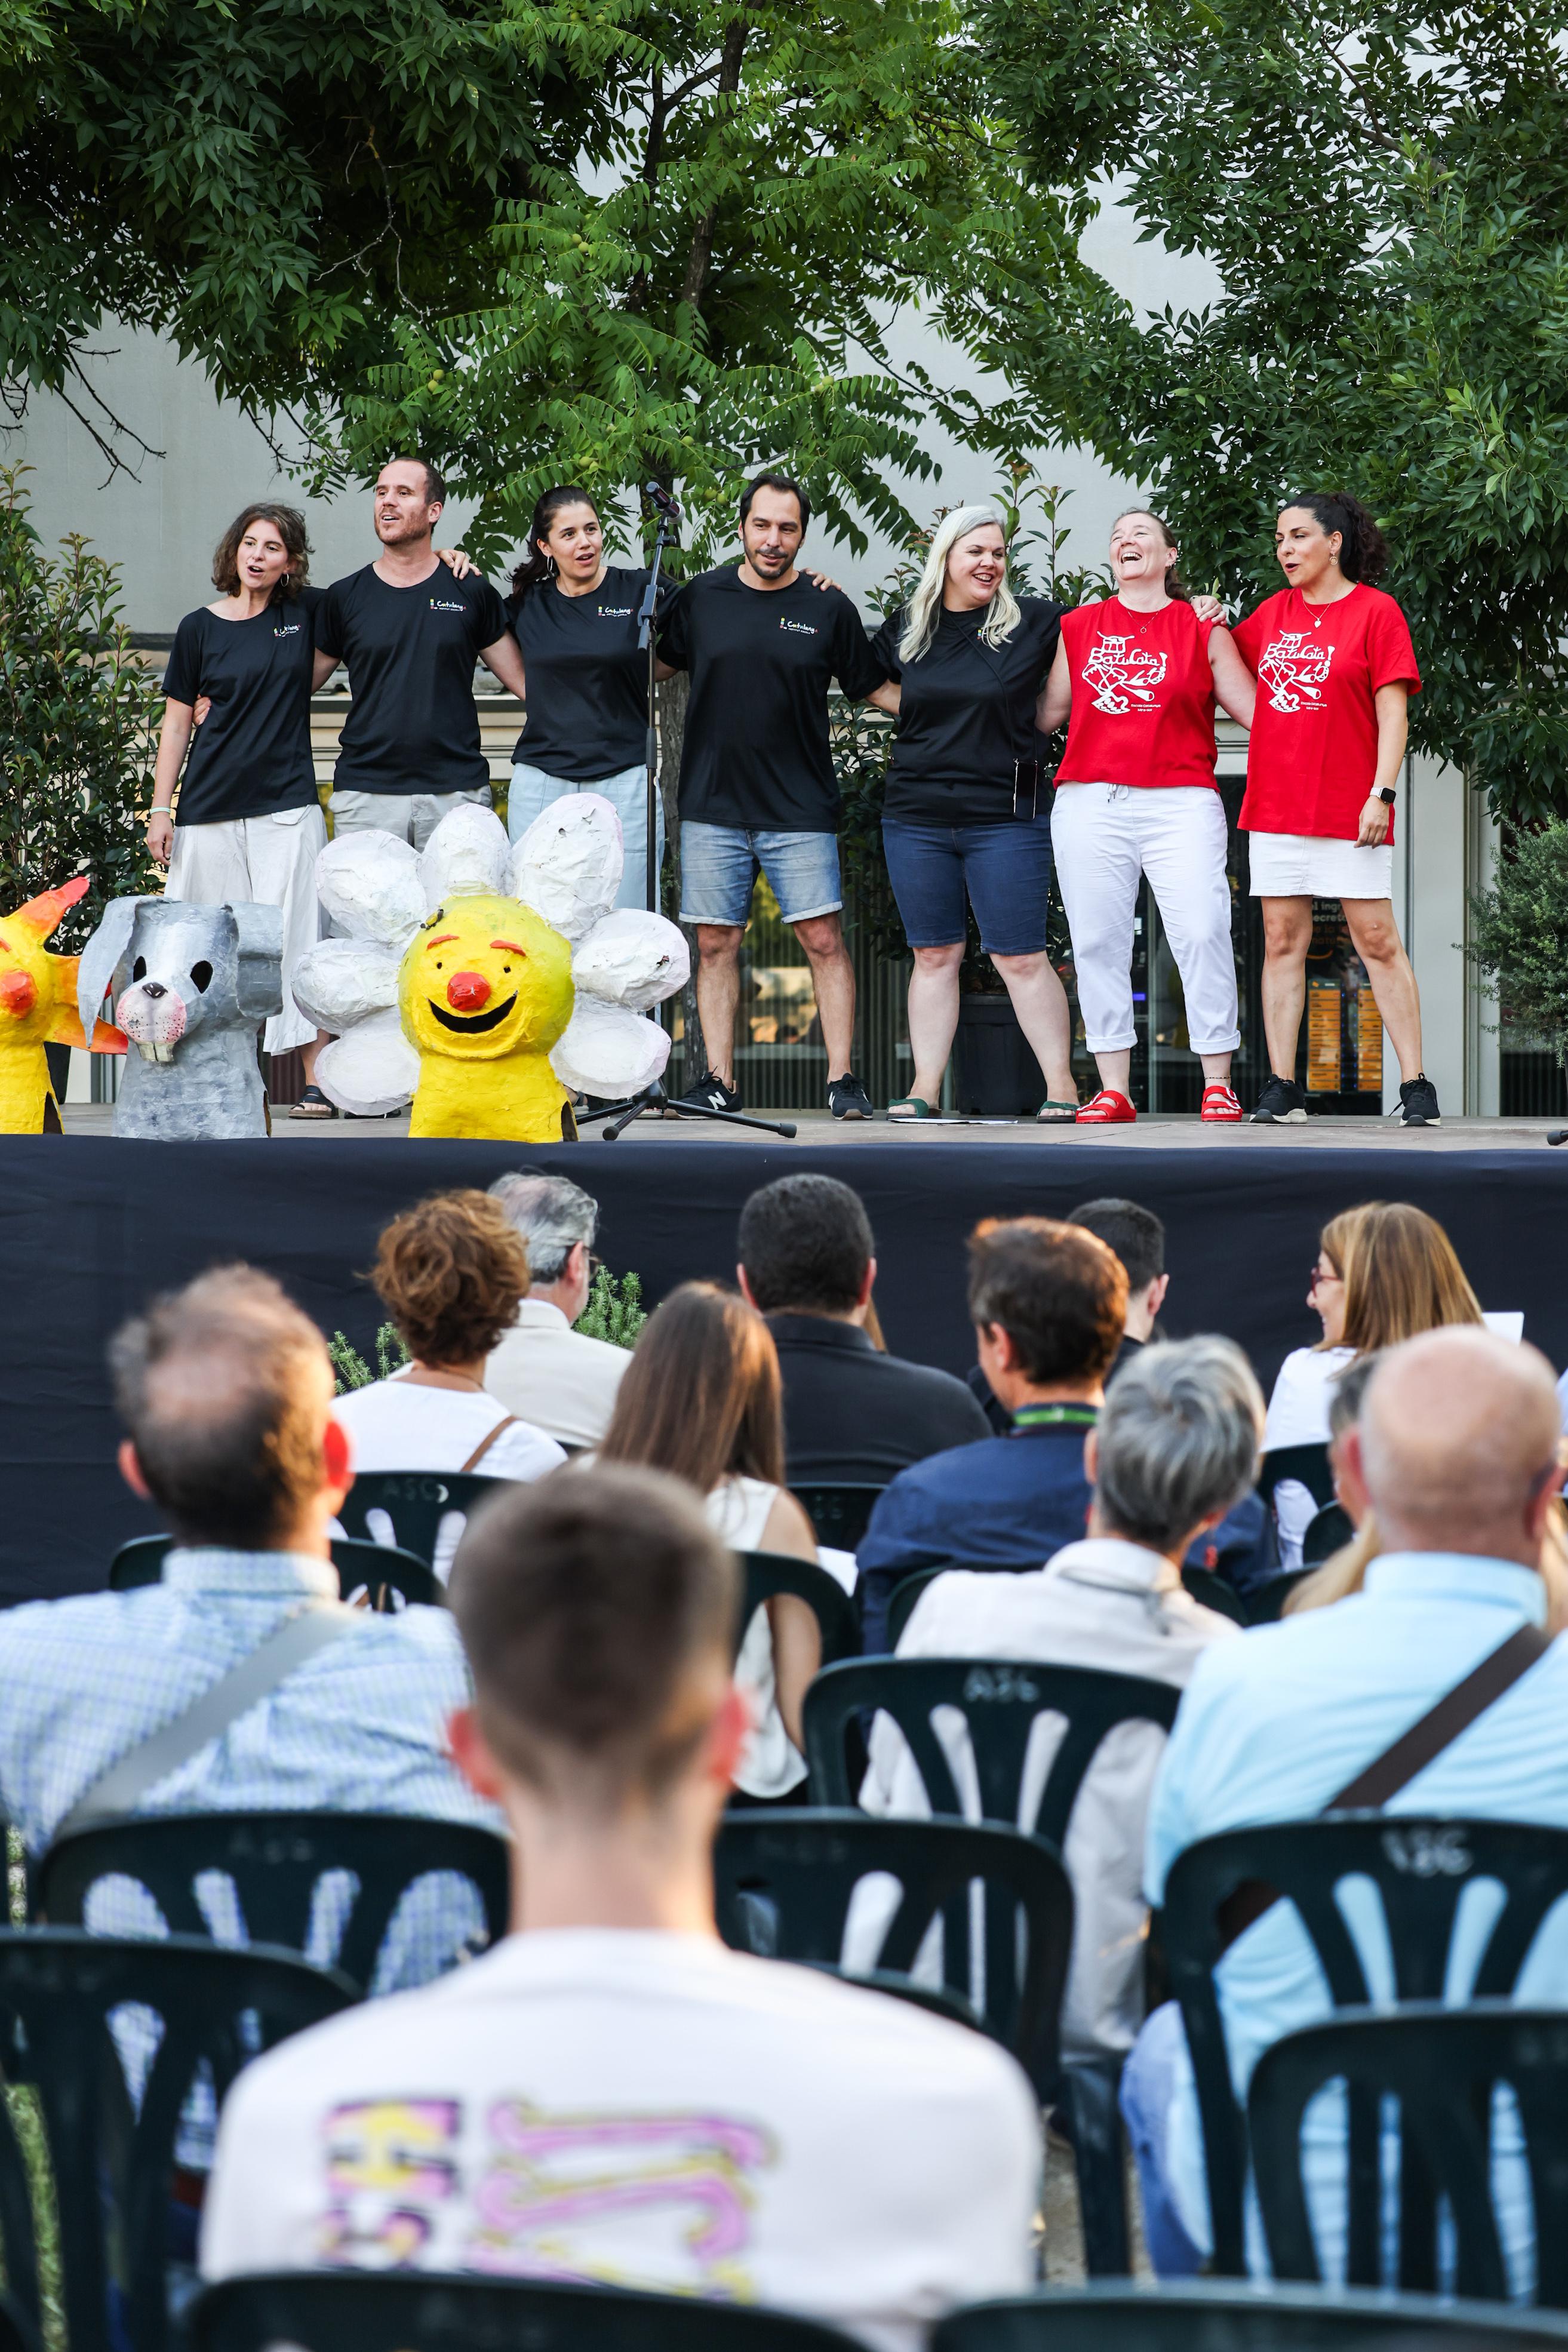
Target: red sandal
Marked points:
1220	1103
1107	1109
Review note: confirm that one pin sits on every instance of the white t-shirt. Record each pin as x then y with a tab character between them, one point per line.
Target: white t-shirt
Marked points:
646	2110
1299	1415
401	1424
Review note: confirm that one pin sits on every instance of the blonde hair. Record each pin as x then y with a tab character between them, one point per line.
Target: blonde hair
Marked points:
925	605
1400	1273
1344	1571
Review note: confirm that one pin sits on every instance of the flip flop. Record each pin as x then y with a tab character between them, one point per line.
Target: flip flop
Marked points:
1055	1114
904	1109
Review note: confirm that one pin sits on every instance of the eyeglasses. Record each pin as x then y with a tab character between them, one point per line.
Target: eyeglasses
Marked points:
1318	1275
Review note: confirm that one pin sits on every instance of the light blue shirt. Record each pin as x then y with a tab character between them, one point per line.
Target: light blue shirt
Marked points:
1271	1727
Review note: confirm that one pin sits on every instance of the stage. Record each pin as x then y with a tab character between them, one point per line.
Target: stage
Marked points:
90	1227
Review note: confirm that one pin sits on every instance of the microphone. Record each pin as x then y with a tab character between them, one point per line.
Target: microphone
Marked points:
661	497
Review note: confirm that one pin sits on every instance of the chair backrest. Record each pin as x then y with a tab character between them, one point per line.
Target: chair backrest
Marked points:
1443	2065
905	1599
770	1573
1307	1464
839	1513
999	1699
1421	1868
416	1501
785	1881
276	1861
1265	1603
1201	1585
1327	1530
361	2312
111	2153
1206	2315
381	1570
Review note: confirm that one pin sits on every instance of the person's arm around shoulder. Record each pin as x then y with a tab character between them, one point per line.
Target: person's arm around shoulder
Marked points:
857	663
1054	703
1235	688
499	650
331	635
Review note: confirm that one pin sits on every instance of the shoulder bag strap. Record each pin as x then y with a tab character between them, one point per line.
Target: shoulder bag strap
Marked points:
116	1790
483	1447
1411	1753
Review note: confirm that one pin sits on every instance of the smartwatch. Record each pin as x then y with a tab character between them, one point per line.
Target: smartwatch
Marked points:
1386	793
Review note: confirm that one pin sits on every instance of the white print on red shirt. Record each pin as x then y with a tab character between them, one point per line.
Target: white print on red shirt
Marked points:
1123	676
1295	669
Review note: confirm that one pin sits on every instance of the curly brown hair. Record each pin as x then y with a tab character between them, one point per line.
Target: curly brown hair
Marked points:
452	1274
290	525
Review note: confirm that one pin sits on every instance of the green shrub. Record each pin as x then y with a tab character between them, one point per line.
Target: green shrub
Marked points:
615	1310
1519	935
352	1370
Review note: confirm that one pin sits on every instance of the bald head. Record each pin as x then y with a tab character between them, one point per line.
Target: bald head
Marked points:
1456	1445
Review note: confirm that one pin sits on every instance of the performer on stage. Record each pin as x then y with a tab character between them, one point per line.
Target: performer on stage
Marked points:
249	823
1335	670
574	618
964	810
764	645
1136	794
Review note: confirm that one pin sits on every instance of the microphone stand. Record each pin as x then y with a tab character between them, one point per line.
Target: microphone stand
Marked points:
653	1101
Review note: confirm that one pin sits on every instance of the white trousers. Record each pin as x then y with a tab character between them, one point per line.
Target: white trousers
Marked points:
270	860
411	817
1105	837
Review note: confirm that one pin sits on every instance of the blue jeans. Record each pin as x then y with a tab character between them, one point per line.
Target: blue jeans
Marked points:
1004	868
1147	2084
533	792
719	866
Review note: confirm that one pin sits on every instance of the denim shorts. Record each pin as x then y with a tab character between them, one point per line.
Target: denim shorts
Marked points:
719	866
1005	868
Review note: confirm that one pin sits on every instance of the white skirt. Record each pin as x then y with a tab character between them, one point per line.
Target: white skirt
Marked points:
271	860
1309	865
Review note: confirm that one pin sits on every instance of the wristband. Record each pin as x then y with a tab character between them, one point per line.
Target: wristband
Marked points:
168	812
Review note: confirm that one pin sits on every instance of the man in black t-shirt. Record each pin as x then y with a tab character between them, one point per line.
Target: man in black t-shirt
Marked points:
757	788
411	631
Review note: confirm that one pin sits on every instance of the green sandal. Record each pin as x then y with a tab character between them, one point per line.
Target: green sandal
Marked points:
1055	1114
912	1106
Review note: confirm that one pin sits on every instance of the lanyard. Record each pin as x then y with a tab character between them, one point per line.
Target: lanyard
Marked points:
1054	1416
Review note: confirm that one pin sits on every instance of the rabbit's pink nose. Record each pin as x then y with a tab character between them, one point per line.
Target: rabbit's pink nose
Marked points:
467	991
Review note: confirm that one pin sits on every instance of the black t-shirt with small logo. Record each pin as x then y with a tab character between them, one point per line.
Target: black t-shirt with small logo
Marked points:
966	717
587	677
414	726
762	660
251	755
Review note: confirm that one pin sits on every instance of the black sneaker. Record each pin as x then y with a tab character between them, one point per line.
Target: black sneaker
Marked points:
1282	1103
848	1098
1418	1103
710	1094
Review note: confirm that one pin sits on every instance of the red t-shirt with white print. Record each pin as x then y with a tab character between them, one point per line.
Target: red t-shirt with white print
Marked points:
1143	696
1312	759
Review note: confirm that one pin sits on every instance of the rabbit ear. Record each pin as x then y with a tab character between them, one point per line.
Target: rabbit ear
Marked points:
102	956
259	958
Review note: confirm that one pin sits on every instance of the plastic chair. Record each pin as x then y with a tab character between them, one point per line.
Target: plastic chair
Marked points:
785	1880
1443	2065
1213	1592
1327	1530
1420	1867
904	1600
383	1569
999	1699
1307	1464
276	1861
416	1501
1201	2315
770	1573
839	1513
363	2312
17	2331
112	2154
1265	1603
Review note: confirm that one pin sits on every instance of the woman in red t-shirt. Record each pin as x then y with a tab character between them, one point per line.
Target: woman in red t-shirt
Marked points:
1335	670
1136	794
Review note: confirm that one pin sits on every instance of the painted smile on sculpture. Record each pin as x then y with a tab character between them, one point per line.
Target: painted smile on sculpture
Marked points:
467	1023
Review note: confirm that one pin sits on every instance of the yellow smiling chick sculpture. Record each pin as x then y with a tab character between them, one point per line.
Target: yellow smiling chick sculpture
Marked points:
485	990
38	1008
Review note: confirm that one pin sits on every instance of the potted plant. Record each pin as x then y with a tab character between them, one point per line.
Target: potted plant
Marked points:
1519	935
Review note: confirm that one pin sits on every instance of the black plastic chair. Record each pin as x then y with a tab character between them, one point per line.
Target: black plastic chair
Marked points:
1307	1464
379	1568
905	1599
1265	1603
1201	2315
361	2312
276	1861
839	1513
110	2154
1442	2065
1000	1700
785	1881
17	2331
768	1573
1213	1592
1327	1530
416	1501
1420	1867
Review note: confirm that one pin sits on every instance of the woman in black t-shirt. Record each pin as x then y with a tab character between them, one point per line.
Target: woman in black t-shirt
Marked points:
575	619
248	823
966	813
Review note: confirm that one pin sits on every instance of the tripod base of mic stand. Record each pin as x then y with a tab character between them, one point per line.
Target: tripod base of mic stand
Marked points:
653	1102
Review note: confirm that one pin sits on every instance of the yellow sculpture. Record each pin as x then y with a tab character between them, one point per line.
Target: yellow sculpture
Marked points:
38	1008
485	990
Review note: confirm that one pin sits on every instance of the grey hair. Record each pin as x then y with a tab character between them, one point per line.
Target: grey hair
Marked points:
1347	1391
552	1215
1002	616
1178	1439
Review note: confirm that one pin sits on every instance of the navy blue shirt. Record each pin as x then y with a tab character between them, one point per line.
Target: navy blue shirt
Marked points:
1003	1502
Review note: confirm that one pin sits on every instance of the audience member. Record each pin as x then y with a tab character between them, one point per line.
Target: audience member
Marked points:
871	2166
1455	1453
1138	1237
1385	1271
225	1393
702	1400
1047	1302
1176	1444
851	1413
1344	1571
451	1274
541	1370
